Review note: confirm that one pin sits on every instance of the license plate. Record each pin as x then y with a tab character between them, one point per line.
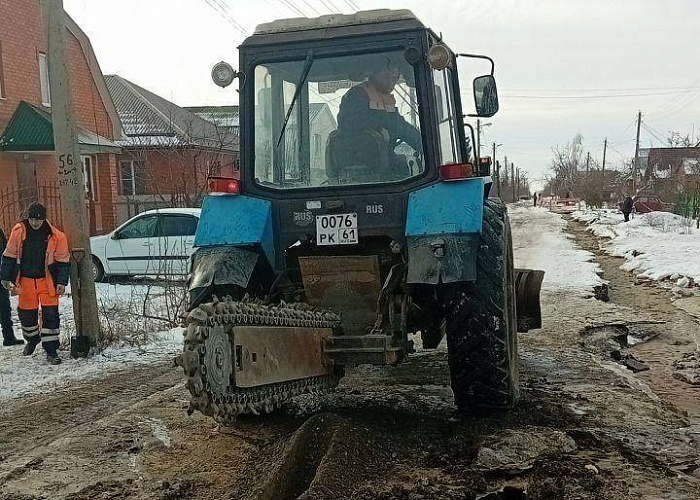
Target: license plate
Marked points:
336	229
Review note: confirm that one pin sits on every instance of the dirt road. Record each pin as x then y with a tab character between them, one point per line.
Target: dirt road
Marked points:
587	428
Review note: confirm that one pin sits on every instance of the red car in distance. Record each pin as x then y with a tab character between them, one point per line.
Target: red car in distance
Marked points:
645	203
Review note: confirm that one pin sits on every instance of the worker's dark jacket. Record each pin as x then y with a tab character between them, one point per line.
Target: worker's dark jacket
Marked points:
32	253
3	241
365	108
627	205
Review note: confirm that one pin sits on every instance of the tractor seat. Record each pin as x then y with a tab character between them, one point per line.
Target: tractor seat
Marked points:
357	157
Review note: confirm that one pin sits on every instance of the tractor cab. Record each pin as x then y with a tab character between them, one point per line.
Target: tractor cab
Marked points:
346	103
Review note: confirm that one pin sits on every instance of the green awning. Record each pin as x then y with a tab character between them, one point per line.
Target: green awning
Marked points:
30	129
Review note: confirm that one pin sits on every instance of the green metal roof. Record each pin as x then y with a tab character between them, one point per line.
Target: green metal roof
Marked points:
31	129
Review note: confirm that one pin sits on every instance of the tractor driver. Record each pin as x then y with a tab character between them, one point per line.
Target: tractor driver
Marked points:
371	106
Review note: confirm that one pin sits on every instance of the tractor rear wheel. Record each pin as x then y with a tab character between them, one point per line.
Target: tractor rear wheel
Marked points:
481	322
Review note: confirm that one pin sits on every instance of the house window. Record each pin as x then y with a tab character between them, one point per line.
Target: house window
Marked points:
2	77
90	177
44	78
133	179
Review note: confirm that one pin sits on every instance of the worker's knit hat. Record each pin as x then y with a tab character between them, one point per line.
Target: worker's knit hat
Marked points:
36	211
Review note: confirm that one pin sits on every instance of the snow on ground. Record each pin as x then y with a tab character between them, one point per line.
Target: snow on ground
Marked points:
122	305
657	245
540	241
21	375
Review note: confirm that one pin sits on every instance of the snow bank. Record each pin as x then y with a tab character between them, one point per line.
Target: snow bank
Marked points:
540	241
21	375
657	245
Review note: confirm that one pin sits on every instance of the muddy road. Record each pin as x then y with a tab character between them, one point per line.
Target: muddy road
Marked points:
587	427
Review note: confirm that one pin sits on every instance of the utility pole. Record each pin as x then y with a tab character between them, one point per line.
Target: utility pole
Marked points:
505	169
71	183
588	163
512	179
636	156
602	181
498	178
517	183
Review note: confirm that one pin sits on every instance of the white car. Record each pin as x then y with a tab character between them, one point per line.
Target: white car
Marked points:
155	243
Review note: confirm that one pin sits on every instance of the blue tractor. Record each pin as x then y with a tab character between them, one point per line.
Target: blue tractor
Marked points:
361	221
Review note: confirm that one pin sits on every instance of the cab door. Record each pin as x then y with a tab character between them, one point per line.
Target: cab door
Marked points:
176	242
133	249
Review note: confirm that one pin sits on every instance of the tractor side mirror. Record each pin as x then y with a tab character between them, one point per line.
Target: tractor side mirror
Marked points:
485	96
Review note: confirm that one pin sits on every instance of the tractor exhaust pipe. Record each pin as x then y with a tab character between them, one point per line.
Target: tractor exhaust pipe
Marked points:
528	283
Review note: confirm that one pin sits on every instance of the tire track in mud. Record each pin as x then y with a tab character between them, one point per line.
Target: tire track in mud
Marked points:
319	461
676	337
33	421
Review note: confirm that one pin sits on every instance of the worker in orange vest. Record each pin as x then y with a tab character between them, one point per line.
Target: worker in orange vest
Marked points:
35	265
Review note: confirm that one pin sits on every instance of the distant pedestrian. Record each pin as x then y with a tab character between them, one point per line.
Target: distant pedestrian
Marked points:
35	265
534	200
627	206
8	332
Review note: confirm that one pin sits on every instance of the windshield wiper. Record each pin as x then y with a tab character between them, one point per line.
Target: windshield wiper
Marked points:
297	92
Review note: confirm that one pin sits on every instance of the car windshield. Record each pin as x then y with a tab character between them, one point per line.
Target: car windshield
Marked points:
353	121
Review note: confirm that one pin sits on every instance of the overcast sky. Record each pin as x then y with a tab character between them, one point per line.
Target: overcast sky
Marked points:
563	66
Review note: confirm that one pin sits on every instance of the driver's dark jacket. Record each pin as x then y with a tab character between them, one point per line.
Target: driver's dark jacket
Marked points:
364	108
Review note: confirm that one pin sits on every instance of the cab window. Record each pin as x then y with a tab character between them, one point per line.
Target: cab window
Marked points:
446	116
332	121
178	225
144	227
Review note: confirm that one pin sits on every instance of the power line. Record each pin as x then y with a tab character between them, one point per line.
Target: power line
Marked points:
621	89
222	9
331	6
293	7
675	103
654	134
352	5
606	96
678	107
229	17
310	6
653	128
615	149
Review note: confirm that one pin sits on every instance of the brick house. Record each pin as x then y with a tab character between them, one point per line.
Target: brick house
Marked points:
168	151
671	172
27	168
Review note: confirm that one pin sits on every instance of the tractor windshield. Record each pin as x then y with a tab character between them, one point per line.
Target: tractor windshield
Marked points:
354	121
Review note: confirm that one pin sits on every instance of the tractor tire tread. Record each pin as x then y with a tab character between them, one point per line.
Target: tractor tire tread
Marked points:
481	321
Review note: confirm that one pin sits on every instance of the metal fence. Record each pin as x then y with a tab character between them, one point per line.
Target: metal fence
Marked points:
13	202
688	205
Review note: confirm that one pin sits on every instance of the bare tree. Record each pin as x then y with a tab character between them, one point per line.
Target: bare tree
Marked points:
566	164
678	140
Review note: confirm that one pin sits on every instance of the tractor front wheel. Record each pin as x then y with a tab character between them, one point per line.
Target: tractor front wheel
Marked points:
481	322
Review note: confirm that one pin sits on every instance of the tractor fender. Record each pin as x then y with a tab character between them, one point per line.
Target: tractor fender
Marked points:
442	258
443	230
222	270
234	248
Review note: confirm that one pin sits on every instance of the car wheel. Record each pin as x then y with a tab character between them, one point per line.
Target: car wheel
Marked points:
98	270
